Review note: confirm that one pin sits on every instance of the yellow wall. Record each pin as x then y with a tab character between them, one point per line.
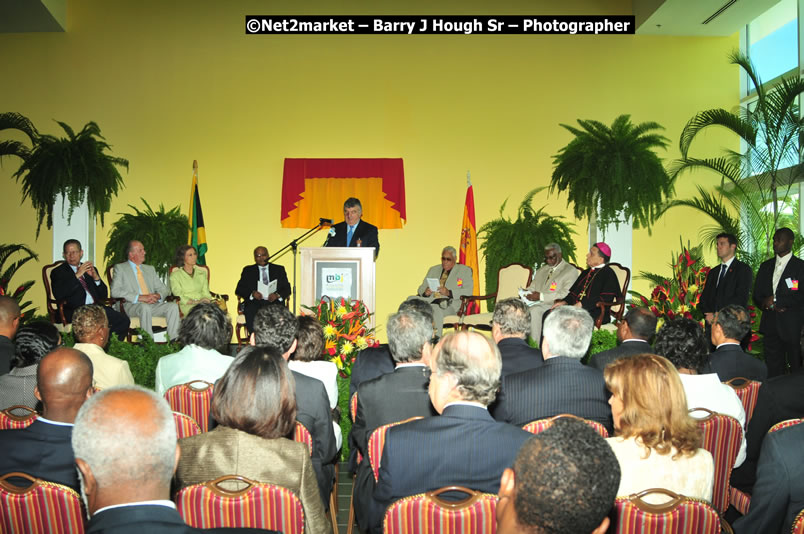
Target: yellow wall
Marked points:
169	82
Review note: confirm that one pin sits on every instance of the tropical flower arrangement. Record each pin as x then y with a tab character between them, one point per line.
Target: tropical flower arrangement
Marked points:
346	330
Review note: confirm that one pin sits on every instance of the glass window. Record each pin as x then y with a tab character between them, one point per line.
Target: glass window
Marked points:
773	41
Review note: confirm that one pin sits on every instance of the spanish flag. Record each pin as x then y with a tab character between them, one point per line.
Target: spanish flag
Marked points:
468	252
197	235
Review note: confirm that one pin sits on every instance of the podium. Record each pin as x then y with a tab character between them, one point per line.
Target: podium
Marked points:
337	272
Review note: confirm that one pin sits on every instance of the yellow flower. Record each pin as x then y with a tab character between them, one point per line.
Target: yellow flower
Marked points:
347	347
330	331
341	311
692	289
682	308
361	343
337	361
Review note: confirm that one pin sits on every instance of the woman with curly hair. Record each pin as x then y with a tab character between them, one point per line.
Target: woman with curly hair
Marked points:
656	442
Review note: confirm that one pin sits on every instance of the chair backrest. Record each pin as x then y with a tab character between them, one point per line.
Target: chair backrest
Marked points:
798	523
40	508
427	513
722	436
534	427
748	392
257	505
193	399
376	444
623	277
784	424
50	300
302	435
510	278
680	515
185	425
353	407
10	421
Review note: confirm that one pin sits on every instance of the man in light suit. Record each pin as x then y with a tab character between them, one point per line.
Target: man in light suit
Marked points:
247	285
127	488
729	325
463	446
779	291
353	231
633	332
510	326
144	291
550	283
454	281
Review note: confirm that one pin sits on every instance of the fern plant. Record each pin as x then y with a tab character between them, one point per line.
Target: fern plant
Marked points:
504	241
7	271
76	167
19	122
161	233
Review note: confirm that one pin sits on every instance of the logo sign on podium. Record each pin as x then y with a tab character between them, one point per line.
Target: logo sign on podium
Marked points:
336	280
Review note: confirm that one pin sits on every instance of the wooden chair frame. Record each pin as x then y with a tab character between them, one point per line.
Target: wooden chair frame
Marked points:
675	501
599	428
620	300
302	434
70	506
469	299
17	421
434	497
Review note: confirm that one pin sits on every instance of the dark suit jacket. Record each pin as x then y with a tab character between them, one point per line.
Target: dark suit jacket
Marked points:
66	286
151	519
365	232
370	363
463	446
41	450
779	491
784	324
729	361
603	287
602	359
733	289
518	356
248	280
561	385
779	399
7	350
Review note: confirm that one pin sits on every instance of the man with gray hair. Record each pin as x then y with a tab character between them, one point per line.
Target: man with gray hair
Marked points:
463	446
126	489
444	285
550	283
562	384
353	231
510	326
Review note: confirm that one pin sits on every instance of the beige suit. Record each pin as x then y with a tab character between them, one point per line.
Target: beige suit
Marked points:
551	286
226	451
459	282
107	371
125	285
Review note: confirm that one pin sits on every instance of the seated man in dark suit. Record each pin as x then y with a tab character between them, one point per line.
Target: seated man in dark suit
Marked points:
43	450
127	488
597	283
563	384
247	286
79	284
729	325
510	327
633	333
276	327
353	231
779	490
393	397
9	322
463	446
564	479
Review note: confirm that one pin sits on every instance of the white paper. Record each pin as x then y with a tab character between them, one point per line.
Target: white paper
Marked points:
523	295
433	284
266	289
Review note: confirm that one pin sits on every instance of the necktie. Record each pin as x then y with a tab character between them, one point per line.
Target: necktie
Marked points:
721	275
141	279
86	287
264	275
349	235
777	274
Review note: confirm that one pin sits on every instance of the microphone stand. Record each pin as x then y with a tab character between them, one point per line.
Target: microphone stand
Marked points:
293	246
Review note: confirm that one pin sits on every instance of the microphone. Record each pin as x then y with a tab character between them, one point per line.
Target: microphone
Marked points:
324	221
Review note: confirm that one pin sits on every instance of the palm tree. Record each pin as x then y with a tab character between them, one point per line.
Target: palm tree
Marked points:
19	122
8	271
771	131
612	173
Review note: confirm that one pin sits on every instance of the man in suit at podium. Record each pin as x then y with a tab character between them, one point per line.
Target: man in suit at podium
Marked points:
247	288
353	231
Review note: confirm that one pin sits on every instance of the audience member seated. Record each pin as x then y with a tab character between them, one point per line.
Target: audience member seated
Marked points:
204	331
633	332
91	330
564	480
454	281
729	325
779	490
597	283
144	291
188	282
393	397
562	384
9	322
779	399
42	449
510	326
464	445
656	442
32	341
550	283
248	287
682	342
255	408
79	284
125	448
309	359
276	327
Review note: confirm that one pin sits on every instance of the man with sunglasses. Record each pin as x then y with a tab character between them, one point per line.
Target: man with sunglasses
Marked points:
451	280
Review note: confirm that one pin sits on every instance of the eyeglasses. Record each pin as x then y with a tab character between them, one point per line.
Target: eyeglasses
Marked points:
447	259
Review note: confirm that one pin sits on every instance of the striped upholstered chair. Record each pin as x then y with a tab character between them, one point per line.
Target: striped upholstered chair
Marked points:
798	523
722	436
427	513
679	515
748	392
256	505
40	508
302	435
540	425
376	444
16	417
185	425
193	399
